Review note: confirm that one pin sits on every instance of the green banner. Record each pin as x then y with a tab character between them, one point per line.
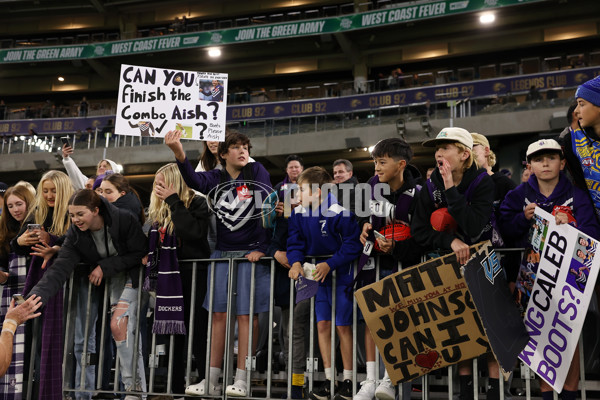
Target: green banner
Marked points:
387	16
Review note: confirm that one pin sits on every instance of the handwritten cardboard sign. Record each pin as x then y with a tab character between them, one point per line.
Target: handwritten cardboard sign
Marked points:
423	318
153	101
565	272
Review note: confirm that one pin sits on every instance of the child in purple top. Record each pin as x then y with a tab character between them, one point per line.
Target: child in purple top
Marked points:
548	188
235	193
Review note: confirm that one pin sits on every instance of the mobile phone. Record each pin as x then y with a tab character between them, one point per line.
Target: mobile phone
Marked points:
33	227
379	235
18	299
65	140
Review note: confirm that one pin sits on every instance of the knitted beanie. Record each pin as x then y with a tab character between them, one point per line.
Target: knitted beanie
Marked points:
100	178
590	91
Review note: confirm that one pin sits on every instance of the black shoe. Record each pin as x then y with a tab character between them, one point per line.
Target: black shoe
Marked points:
344	391
322	392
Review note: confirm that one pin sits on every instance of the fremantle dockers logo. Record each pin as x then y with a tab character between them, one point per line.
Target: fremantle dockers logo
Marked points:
237	202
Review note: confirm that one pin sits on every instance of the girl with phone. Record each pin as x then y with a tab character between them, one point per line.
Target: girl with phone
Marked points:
50	212
112	240
17	202
78	179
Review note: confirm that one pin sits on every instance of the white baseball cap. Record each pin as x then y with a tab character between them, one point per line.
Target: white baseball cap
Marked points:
459	135
543	145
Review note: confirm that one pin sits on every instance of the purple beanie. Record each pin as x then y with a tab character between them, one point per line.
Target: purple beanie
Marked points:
590	91
100	178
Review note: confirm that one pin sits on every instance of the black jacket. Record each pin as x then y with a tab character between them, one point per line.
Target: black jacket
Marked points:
79	247
471	217
130	202
191	227
408	251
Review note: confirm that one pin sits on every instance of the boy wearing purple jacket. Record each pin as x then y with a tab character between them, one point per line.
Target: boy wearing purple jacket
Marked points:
548	188
235	193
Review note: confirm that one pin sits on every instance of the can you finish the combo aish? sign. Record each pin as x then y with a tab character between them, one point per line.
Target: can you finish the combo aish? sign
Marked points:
154	101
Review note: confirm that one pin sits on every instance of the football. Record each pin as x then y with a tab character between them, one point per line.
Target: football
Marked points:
442	221
397	232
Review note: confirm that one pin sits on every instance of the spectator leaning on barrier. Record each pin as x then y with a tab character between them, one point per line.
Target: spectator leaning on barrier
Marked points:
240	234
112	240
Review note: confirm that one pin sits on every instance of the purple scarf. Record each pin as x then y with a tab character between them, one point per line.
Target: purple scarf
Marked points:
52	332
11	384
162	276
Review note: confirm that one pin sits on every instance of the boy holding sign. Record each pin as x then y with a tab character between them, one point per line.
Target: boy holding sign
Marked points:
391	212
234	192
548	188
320	226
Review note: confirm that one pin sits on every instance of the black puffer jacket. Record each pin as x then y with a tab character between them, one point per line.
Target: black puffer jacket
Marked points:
79	247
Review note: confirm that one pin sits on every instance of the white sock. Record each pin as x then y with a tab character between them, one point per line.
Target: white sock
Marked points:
347	374
386	375
371	370
240	375
215	374
328	373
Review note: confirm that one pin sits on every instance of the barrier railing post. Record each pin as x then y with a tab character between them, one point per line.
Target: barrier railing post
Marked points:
249	355
85	356
582	368
67	334
290	333
475	379
270	346
192	319
100	369
230	323
354	337
153	362
211	296
333	301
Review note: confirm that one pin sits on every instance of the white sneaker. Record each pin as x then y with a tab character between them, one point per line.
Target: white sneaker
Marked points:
385	390
198	389
238	389
367	390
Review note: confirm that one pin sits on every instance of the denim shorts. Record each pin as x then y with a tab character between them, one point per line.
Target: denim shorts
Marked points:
242	292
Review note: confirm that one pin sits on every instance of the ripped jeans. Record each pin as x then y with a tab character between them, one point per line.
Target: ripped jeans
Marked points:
124	301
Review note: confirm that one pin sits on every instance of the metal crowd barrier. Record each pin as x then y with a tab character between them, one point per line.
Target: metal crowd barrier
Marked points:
254	391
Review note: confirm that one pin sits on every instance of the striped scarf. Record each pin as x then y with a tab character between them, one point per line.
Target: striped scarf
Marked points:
162	277
11	384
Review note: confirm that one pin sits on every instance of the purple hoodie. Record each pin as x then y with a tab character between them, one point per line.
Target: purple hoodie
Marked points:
513	223
238	228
